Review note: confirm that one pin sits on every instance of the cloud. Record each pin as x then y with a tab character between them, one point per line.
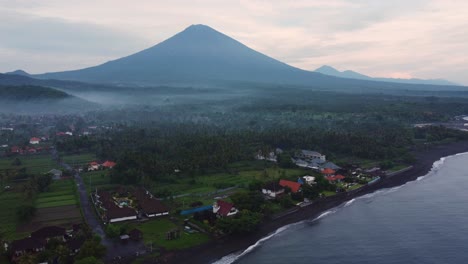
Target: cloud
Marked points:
420	38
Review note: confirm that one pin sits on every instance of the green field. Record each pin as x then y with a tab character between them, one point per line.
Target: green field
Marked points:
154	231
34	164
79	159
9	201
239	174
61	193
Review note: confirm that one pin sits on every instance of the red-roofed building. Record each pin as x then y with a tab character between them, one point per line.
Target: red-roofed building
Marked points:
223	208
15	149
294	186
34	141
336	178
328	172
109	164
93	166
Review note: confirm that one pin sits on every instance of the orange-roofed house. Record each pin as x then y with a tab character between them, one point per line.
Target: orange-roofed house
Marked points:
333	179
294	186
109	164
328	172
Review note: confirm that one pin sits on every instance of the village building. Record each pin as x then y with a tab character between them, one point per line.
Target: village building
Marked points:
294	186
335	179
34	141
15	149
224	209
56	174
272	190
310	180
330	165
50	232
109	164
148	205
311	155
27	245
111	211
328	172
92	166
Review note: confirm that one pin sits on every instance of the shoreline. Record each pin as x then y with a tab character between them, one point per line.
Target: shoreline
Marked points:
219	248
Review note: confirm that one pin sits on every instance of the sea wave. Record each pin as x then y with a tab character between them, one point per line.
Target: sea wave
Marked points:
235	256
348	203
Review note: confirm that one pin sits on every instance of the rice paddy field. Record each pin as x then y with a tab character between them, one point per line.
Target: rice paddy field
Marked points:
34	164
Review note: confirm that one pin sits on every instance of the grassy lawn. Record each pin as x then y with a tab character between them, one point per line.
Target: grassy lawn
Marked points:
328	193
154	231
34	164
354	187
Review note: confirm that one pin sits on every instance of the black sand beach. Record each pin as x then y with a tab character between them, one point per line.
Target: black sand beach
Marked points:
214	250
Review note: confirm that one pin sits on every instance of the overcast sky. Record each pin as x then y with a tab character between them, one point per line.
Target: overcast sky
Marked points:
411	38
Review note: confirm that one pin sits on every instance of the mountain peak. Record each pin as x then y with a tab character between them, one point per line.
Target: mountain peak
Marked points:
328	70
19	72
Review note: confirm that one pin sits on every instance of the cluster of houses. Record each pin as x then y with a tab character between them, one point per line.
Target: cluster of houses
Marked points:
275	189
269	155
28	150
39	239
125	204
313	160
94	165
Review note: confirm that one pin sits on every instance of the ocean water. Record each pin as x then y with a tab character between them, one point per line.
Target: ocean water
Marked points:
424	221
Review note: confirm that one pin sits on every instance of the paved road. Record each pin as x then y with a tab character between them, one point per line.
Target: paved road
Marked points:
115	249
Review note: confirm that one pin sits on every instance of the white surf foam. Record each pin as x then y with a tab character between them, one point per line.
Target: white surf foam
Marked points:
348	203
235	256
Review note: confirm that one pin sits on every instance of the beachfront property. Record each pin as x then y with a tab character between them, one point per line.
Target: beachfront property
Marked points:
310	180
295	187
224	209
272	190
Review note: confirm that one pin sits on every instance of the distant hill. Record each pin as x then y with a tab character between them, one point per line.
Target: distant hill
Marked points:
26	93
19	72
37	100
328	70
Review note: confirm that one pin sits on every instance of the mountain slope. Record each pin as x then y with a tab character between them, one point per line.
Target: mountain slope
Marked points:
199	53
328	70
